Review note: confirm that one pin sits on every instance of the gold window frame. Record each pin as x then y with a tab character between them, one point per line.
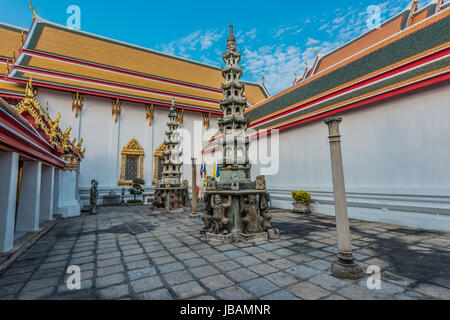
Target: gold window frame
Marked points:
156	155
132	148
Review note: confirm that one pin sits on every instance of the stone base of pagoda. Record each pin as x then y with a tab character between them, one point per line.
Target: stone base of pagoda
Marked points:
233	213
254	237
181	193
219	239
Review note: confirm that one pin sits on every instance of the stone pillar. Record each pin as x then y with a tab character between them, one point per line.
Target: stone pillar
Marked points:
194	213
344	267
9	167
29	201
56	191
47	193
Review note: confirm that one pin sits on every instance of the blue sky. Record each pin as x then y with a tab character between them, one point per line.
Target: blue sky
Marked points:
273	36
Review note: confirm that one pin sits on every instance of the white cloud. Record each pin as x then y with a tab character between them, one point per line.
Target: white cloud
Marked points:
277	62
195	41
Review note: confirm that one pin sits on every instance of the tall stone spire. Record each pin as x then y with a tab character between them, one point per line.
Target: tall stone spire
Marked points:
172	161
233	124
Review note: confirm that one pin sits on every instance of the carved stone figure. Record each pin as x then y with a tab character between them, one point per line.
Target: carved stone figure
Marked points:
260	183
252	221
234	183
93	197
184	184
210	183
266	223
159	199
218	222
185	197
174	200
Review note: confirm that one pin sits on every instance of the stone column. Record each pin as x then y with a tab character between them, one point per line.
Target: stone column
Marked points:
30	194
56	191
344	267
47	193
9	167
194	213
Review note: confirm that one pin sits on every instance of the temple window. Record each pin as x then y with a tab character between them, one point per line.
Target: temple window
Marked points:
158	162
132	165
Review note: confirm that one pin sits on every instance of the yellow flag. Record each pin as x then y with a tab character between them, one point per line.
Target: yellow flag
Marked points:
214	172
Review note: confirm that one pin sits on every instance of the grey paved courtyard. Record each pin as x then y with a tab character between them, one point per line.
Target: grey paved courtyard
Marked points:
131	253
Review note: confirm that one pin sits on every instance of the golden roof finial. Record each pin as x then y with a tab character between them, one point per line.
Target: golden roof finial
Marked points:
34	11
67	132
22	41
306	63
315	51
29	92
263	75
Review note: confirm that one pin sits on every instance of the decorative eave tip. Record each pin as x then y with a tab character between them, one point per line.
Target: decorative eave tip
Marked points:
34	11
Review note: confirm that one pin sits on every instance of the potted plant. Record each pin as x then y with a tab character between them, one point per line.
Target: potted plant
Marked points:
136	190
302	199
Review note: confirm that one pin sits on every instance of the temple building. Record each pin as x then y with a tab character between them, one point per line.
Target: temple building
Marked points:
116	95
38	168
391	86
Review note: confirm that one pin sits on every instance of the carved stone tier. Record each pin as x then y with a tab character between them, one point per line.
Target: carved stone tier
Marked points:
241	214
173	198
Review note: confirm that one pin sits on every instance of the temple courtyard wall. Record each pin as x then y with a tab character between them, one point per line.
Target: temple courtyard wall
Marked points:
396	162
104	138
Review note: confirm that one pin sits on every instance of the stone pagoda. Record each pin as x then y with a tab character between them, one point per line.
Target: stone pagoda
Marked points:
236	208
170	192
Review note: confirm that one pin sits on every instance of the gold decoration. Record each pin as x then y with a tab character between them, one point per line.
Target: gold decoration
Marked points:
116	109
180	113
58	139
206	116
71	163
132	148
149	113
34	11
22	39
77	103
157	155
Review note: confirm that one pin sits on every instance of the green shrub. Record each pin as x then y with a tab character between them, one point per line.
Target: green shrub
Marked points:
134	201
137	189
301	196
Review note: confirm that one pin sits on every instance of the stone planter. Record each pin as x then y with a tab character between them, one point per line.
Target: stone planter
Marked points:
301	207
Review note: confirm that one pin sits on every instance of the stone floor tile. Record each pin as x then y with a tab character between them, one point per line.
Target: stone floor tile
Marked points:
188	290
259	286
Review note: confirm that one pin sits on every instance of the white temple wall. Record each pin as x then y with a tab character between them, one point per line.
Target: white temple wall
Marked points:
104	139
395	157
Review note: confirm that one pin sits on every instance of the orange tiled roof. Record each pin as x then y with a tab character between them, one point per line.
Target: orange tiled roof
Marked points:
63	58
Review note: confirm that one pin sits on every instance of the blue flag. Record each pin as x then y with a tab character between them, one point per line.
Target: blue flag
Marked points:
218	170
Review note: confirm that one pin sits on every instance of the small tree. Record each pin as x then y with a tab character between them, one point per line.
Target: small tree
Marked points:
137	189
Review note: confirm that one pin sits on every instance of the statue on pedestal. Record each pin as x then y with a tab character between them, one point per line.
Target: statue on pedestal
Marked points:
264	209
174	200
217	222
252	222
93	197
159	198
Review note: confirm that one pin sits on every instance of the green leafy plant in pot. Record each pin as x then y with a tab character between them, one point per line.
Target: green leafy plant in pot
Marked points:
302	200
